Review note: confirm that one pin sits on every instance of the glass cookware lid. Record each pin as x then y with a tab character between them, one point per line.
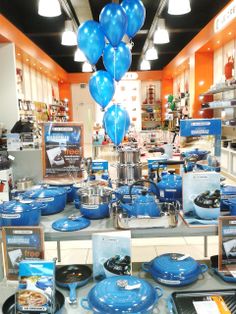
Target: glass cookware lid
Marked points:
122	294
44	191
175	264
17	206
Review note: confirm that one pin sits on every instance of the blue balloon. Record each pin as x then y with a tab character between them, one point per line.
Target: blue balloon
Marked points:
117	61
102	87
91	40
115	123
136	13
114	23
127	122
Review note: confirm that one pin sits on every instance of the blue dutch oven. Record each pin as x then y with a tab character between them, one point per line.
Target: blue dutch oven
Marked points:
20	213
232	206
227	192
174	269
170	187
69	191
54	198
122	294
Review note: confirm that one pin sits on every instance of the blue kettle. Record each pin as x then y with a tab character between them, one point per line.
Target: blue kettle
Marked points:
144	204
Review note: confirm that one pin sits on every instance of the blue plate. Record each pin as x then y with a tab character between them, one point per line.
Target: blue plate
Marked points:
68	224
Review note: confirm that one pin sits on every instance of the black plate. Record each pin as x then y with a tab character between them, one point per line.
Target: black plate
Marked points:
72	273
9	305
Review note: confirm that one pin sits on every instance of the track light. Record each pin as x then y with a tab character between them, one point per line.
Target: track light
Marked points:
86	67
151	54
179	7
161	35
145	65
69	36
79	56
49	8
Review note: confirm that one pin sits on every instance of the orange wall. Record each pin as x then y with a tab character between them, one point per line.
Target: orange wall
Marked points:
203	81
167	89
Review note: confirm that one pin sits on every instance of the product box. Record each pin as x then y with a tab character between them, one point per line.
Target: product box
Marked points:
197	187
200	144
13	141
100	168
36	291
6	184
111	254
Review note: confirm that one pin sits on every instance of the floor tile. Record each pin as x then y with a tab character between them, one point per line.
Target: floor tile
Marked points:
143	254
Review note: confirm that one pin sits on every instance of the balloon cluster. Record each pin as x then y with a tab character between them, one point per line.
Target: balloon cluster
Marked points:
115	21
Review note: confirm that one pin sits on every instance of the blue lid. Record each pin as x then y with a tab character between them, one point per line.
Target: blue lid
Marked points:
110	295
228	190
44	191
70	224
169	266
15	206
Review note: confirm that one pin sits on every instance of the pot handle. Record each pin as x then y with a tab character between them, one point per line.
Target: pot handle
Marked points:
72	295
84	303
170	305
146	267
204	268
159	291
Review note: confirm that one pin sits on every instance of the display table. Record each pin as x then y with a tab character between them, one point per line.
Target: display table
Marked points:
207	282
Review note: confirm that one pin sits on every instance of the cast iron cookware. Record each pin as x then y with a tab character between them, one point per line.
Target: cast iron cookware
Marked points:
174	269
20	213
9	306
122	295
117	265
72	277
71	223
53	197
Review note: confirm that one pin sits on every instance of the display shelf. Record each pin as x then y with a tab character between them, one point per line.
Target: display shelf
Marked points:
209	281
220	90
220	107
228	126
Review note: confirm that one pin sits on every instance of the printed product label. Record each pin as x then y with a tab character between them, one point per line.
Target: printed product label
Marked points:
162	193
90	206
44	200
169	282
10	216
171	190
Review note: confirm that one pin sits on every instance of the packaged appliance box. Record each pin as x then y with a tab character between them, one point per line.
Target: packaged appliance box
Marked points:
36	290
99	168
111	254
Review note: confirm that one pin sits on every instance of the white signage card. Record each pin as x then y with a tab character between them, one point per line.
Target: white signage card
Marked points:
206	307
225	17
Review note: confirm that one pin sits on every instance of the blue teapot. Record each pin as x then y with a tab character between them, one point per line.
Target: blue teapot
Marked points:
143	205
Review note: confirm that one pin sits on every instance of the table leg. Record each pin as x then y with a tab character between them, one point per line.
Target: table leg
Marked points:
1	263
205	247
59	251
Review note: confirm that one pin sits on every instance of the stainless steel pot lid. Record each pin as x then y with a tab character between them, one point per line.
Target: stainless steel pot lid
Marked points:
128	149
95	191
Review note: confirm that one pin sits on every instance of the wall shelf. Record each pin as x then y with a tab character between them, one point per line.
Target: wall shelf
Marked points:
220	90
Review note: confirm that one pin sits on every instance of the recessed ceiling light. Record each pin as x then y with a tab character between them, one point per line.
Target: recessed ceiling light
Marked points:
208	49
40	68
18	54
27	60
218	42
230	33
34	64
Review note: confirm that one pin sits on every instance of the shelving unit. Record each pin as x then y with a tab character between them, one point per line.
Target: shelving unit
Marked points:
151	109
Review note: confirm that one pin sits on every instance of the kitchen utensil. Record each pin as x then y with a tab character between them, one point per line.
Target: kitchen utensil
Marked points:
63	183
9	306
204	165
174	269
94	201
122	294
129	155
72	277
20	213
24	184
202	154
170	187
71	223
53	197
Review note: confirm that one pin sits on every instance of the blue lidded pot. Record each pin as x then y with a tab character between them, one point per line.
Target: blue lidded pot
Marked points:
200	154
174	269
122	294
20	213
54	198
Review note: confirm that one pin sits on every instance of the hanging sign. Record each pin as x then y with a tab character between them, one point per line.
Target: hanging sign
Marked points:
21	243
62	150
225	17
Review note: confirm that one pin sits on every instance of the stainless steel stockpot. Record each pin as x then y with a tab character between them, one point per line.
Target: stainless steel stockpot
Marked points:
129	155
